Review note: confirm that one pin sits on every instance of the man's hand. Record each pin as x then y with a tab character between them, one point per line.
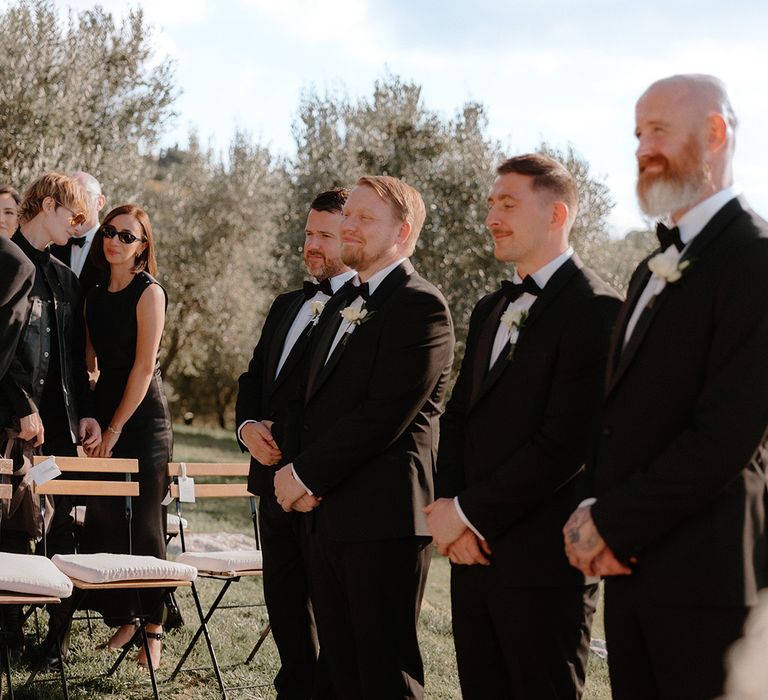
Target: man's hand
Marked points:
287	489
606	564
582	540
31	428
90	433
444	523
306	503
257	437
469	549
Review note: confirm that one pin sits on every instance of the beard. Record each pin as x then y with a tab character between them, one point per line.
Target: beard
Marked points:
680	184
322	268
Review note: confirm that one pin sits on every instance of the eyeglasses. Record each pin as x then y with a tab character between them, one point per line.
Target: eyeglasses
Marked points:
76	219
126	237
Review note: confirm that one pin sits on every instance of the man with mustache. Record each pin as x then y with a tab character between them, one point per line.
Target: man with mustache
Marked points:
266	390
678	526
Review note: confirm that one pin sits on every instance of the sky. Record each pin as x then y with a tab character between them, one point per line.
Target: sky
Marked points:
559	71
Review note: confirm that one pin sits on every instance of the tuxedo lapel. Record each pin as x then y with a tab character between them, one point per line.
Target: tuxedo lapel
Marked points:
320	370
323	336
278	343
622	356
482	353
545	298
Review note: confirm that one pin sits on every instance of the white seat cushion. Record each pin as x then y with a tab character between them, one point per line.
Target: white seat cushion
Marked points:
229	562
173	524
104	568
27	573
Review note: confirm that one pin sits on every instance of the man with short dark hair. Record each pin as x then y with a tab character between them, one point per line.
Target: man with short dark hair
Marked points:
679	528
513	442
367	434
266	390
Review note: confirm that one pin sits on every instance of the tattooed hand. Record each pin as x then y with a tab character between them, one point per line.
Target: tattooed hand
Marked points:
582	540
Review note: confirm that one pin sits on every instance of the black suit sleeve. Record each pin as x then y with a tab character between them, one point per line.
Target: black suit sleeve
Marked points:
450	478
415	349
17	275
729	422
557	450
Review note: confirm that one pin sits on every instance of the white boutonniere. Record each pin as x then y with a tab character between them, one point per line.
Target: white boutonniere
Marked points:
353	316
316	308
513	319
666	268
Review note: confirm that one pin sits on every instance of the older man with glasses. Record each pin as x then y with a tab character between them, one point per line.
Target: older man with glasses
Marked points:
44	396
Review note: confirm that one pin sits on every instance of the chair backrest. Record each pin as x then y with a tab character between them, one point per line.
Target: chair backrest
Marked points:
6	469
91	487
222	480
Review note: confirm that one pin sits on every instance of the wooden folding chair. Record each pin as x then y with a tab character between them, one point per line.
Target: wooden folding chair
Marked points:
91	572
14	592
222	480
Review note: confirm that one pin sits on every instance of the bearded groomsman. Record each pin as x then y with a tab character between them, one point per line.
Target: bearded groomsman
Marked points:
680	469
266	390
513	442
367	444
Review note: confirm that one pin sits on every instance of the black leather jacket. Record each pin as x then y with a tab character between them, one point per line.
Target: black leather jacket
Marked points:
22	387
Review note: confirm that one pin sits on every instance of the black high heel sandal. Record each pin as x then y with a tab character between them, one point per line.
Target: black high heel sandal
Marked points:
159	636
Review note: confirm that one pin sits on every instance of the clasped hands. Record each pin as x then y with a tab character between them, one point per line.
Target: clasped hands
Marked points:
586	549
452	537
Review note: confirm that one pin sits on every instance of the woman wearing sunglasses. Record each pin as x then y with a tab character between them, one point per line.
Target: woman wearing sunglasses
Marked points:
125	320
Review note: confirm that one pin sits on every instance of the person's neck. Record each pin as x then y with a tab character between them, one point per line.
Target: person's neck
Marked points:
85	228
379	265
714	186
529	267
120	277
35	234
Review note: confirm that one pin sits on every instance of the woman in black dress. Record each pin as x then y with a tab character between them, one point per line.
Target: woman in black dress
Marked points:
125	320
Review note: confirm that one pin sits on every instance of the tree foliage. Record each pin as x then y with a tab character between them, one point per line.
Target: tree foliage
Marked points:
80	93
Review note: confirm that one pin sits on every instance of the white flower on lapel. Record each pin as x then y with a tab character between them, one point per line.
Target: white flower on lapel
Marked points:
513	319
353	316
666	268
316	308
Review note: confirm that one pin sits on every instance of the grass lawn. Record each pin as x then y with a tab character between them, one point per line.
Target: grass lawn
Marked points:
235	631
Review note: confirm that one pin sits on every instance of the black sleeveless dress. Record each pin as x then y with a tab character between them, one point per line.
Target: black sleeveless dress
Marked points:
146	436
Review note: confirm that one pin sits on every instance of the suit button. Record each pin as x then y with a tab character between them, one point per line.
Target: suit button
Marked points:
305	426
607	432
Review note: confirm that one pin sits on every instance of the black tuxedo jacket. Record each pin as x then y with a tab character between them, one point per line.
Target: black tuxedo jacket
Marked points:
680	469
261	395
89	276
367	439
514	439
17	274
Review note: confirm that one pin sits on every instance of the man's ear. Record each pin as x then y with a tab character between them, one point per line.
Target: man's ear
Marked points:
404	233
560	214
717	131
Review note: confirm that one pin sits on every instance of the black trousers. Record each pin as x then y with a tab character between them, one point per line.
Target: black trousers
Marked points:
665	651
286	591
519	643
367	598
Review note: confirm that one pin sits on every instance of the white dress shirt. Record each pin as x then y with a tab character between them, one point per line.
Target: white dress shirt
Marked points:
77	255
691	224
303	317
503	335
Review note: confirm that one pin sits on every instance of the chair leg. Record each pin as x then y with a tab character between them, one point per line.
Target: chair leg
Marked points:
150	665
61	669
262	638
7	664
203	629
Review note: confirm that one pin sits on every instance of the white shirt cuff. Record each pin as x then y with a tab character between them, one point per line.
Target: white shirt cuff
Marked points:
240	429
464	518
296	476
587	502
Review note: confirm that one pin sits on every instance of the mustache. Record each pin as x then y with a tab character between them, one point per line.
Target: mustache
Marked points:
644	162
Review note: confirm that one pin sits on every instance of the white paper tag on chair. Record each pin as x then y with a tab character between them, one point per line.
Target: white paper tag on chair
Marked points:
186	485
45	471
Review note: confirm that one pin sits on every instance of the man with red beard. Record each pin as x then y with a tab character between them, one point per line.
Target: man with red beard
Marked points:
678	526
266	391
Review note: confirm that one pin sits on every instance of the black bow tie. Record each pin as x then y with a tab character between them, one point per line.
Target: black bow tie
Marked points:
312	288
357	290
79	241
513	290
669	236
